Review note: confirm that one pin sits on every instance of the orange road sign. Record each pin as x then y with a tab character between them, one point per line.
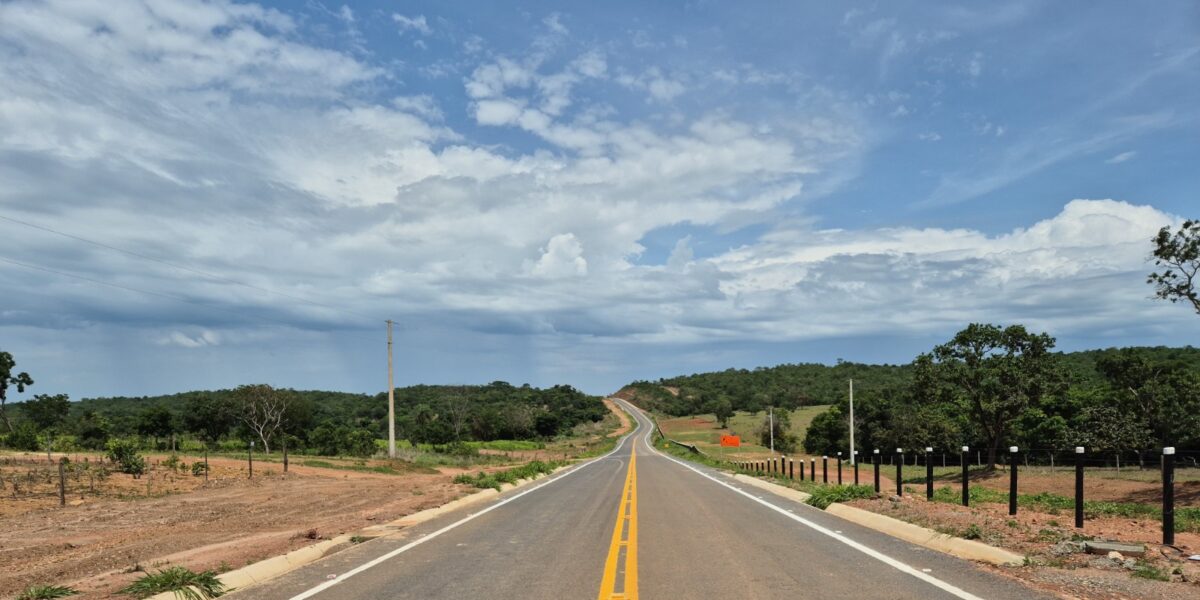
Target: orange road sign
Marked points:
731	441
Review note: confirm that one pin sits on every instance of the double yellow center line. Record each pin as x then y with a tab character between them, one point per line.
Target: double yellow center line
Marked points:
623	550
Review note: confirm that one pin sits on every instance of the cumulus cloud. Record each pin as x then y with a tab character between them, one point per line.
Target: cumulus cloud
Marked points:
562	257
224	143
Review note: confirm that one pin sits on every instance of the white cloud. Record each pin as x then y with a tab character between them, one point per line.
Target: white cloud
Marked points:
1122	157
562	257
929	136
416	23
183	340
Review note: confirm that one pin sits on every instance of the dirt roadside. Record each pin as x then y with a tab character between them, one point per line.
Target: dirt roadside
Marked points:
626	425
227	523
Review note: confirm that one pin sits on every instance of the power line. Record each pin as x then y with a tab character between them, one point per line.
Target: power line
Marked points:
177	298
178	266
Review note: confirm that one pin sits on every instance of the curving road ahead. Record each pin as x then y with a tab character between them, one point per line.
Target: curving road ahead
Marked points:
637	523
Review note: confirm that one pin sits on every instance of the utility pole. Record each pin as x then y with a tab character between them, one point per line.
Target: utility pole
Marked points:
771	425
853	454
391	399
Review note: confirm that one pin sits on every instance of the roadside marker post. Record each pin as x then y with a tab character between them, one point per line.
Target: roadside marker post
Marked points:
900	472
1168	512
928	474
854	461
839	468
792	468
966	466
1012	480
1079	487
824	469
876	471
812	472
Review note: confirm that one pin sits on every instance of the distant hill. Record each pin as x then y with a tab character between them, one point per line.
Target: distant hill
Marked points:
793	385
426	413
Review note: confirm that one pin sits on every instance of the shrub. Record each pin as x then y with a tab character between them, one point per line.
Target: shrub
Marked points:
199	468
46	592
172	462
494	480
24	437
183	581
125	454
823	496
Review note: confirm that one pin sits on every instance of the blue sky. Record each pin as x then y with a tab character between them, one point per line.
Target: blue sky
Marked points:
581	193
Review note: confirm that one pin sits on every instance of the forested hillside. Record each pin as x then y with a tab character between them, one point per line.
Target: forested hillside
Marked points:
424	414
803	384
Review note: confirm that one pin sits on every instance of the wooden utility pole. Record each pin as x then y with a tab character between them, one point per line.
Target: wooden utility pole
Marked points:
391	399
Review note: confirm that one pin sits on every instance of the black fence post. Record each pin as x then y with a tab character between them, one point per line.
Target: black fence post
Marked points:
900	472
1012	480
839	468
824	469
1168	512
812	471
877	470
792	468
854	459
928	474
966	476
1079	487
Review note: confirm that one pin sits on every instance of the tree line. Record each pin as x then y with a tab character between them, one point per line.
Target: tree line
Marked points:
324	422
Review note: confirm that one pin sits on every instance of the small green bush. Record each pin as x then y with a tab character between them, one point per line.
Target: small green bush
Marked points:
199	468
823	496
183	581
125	454
46	592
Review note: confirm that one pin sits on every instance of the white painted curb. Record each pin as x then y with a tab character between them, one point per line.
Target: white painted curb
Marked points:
968	549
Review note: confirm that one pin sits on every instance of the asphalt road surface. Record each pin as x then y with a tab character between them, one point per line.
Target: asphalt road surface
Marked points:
638	523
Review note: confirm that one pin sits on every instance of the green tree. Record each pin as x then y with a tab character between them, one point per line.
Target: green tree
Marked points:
7	378
722	409
1178	253
991	374
785	440
1106	429
209	416
1163	397
47	411
155	422
92	430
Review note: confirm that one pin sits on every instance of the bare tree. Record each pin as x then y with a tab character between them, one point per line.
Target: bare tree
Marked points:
458	411
262	408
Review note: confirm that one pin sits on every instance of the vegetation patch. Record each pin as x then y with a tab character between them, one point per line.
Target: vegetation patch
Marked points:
823	496
483	480
46	592
184	582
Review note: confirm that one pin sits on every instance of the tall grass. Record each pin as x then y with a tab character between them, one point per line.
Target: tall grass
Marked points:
184	582
494	480
46	592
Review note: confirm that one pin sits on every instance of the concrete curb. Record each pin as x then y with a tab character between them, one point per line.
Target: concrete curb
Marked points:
968	549
774	488
275	566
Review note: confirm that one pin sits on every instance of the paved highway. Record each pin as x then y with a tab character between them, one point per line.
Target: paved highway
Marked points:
637	523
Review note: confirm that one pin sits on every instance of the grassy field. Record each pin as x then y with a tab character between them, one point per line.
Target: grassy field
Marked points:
702	431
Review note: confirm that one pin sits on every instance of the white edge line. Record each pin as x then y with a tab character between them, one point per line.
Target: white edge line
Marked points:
413	544
900	566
